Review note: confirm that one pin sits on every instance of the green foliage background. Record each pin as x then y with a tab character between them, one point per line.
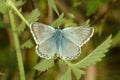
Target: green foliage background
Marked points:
18	59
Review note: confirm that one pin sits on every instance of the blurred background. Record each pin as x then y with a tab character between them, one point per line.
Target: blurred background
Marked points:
104	16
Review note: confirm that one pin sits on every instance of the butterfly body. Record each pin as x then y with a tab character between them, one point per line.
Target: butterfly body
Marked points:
65	43
58	38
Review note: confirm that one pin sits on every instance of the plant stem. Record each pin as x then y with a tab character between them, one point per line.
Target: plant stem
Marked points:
17	46
10	3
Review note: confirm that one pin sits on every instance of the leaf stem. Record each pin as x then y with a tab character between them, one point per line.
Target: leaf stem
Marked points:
10	3
17	46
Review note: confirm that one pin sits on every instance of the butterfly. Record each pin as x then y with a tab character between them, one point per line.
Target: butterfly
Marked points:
64	43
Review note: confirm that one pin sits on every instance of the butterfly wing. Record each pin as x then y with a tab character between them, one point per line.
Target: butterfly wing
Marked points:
74	38
43	36
68	50
78	35
46	49
41	32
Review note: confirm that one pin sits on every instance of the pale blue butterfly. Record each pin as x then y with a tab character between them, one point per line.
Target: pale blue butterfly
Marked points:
65	43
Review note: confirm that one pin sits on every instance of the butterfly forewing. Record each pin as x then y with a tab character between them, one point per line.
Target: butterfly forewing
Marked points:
78	35
41	32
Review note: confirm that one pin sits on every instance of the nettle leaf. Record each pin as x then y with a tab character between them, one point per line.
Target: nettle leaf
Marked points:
34	16
44	64
66	75
58	21
52	3
77	72
96	55
21	27
3	6
27	44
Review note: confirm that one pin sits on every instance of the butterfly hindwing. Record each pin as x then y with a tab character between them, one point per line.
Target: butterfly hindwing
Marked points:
68	50
46	49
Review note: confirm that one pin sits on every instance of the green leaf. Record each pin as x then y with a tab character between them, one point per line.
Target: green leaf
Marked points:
66	75
58	21
86	23
3	6
92	6
61	63
69	22
116	39
27	44
77	72
76	4
96	55
21	27
18	3
44	64
34	16
52	3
